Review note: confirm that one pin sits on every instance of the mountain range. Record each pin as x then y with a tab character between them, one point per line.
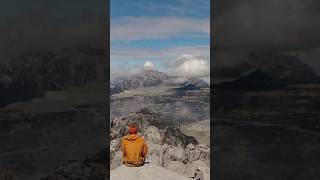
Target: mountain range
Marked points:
30	74
280	67
149	78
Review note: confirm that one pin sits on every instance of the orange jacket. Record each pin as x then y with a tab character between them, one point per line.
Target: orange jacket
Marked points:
134	150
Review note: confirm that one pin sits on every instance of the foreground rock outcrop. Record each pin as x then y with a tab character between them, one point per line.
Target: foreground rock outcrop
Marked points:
168	146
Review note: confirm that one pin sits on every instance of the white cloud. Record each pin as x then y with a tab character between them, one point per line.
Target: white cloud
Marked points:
188	65
148	65
139	28
185	66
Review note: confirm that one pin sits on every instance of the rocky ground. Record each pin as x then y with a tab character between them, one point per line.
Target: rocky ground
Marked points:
146	172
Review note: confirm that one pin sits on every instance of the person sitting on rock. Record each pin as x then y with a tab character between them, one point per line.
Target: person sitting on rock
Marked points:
134	148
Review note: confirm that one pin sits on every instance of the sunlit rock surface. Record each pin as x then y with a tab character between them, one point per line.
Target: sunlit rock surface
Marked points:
146	172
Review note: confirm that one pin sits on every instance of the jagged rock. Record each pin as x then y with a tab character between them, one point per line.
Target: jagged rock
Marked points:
176	166
199	152
116	160
154	154
152	135
176	153
198	170
202	173
164	155
174	136
114	144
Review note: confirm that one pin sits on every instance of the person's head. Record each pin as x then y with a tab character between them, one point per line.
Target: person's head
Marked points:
132	129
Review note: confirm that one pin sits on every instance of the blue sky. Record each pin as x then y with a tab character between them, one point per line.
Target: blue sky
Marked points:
157	8
158	30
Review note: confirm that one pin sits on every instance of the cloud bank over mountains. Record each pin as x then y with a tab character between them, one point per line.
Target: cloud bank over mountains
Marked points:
148	34
186	65
139	28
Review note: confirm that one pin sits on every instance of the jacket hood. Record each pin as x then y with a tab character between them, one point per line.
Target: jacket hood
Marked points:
131	137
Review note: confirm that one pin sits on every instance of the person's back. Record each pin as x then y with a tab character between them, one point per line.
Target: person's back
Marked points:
134	148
